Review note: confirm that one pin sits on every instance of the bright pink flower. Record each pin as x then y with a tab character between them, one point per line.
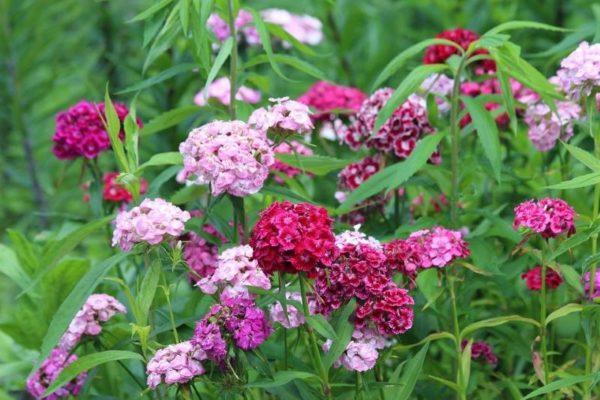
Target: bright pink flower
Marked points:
533	278
114	192
548	217
175	364
292	147
586	281
49	370
327	97
220	90
482	351
579	72
439	53
284	117
362	351
243	24
293	238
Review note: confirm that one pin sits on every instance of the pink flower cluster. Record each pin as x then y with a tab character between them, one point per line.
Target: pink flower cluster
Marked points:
80	131
579	72
201	255
175	364
243	25
295	316
49	370
549	217
284	117
482	351
328	98
304	28
235	269
362	351
586	281
293	238
399	134
115	192
436	247
228	155
361	271
441	86
98	308
151	222
220	90
292	147
533	278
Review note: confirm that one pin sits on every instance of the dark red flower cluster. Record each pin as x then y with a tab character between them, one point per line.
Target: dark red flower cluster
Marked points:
293	238
400	133
549	217
116	193
361	272
533	278
326	97
481	351
439	53
80	131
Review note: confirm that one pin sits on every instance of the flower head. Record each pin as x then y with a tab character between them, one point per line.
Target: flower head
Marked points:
151	222
175	364
295	316
362	351
200	254
441	86
304	28
327	97
220	90
284	117
482	351
228	155
243	25
579	72
586	281
549	217
293	238
533	278
115	192
49	370
439	53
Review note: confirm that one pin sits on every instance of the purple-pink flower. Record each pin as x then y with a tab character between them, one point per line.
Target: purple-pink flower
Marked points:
327	98
283	117
579	72
49	370
220	90
98	308
304	28
295	316
243	25
441	86
175	364
586	281
549	217
482	351
229	155
153	221
361	352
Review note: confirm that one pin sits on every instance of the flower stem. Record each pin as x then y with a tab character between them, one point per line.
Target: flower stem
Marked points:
232	61
285	312
456	328
543	333
455	138
359	385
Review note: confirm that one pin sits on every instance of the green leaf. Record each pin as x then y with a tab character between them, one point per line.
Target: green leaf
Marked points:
487	131
583	156
393	176
428	284
291	61
87	362
150	11
579	182
513	25
184	15
575	240
430	338
163	76
285	193
113	126
281	378
491	40
10	266
169	119
318	165
407	87
284	35
445	382
67	310
160	159
343	329
411	373
148	290
563	311
572	278
560	384
508	99
398	62
321	325
266	41
491	322
465	365
223	54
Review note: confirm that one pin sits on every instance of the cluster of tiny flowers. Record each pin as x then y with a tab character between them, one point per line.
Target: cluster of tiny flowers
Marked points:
481	351
114	192
361	271
237	317
586	281
220	91
441	86
49	370
361	352
303	28
549	217
151	222
293	238
200	254
579	72
230	156
98	308
175	364
328	98
533	278
292	147
236	269
243	25
80	130
399	134
294	317
437	247
439	53
283	117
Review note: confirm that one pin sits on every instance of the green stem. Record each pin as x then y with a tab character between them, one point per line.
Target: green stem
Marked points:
543	311
359	385
232	61
316	354
461	395
285	312
167	291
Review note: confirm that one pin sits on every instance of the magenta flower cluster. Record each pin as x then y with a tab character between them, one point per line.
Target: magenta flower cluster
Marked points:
579	72
292	147
200	254
548	217
586	282
175	364
328	98
362	351
220	91
153	221
283	117
97	309
229	155
49	370
482	351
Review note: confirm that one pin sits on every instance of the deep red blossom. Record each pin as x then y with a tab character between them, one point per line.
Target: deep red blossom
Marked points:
117	193
439	53
549	217
325	97
481	351
533	278
391	312
293	238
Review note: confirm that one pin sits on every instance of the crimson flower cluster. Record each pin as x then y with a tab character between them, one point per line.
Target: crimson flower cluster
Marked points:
114	192
482	351
327	98
398	135
533	278
293	238
549	217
